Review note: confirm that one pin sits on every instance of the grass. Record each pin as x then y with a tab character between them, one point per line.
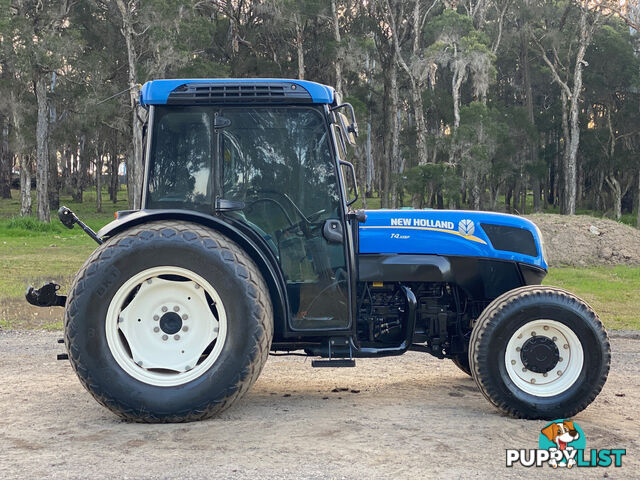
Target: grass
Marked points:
33	253
613	292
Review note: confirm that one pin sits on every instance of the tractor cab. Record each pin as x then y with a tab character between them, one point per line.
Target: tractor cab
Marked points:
263	153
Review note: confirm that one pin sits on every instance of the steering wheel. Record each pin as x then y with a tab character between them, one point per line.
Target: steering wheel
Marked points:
305	223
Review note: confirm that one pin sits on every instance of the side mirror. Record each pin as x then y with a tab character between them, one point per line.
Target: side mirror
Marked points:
348	130
347	166
349	126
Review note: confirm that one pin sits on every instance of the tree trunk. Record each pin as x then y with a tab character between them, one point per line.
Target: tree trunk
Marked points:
564	203
616	192
99	161
6	162
299	47
395	132
456	83
54	182
526	77
25	185
113	167
337	37
42	150
134	162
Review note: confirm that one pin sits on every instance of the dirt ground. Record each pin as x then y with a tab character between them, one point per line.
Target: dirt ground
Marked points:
406	417
585	241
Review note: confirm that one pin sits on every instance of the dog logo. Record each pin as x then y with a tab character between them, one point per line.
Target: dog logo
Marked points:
562	444
466	227
562	438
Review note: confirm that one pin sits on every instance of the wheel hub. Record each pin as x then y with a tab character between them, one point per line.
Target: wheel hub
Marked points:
168	333
544	357
170	323
539	354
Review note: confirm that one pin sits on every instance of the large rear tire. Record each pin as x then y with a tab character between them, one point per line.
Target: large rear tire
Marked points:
462	362
539	352
168	322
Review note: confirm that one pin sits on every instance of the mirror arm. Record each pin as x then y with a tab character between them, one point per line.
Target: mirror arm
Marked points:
350	166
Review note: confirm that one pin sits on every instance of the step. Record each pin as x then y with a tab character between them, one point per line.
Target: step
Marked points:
337	363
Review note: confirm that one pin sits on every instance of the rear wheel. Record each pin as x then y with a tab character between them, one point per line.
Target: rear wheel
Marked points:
168	321
462	362
539	352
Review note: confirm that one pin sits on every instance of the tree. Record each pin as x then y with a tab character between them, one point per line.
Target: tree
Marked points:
563	44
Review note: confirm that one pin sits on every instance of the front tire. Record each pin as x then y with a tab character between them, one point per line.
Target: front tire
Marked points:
168	322
539	352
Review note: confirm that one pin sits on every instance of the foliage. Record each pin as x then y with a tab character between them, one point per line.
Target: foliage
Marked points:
491	130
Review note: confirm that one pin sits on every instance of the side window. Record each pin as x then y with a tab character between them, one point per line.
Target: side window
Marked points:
181	160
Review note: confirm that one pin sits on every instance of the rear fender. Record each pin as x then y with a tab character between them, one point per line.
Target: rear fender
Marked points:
251	242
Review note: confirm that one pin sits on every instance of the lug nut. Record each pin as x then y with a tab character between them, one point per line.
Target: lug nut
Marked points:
544	374
533	380
520	336
164	309
554	339
156	318
164	337
185	329
176	308
513	362
197	286
546	327
176	337
185	316
566	346
560	359
524	369
559	372
517	349
156	329
533	334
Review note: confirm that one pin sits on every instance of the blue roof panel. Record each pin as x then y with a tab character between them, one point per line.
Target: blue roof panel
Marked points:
156	92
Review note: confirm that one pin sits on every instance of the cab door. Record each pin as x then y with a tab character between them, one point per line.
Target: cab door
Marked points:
280	162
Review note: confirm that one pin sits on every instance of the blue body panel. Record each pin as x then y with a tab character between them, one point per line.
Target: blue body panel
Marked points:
442	232
156	92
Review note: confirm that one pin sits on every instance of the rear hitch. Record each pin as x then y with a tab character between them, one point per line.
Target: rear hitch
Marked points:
45	296
69	219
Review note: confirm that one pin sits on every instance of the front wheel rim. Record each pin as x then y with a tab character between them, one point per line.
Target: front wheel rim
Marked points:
546	382
166	326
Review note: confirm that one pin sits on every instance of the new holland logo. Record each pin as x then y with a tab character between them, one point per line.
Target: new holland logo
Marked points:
466	227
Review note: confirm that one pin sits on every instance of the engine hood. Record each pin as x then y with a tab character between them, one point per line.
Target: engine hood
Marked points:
453	232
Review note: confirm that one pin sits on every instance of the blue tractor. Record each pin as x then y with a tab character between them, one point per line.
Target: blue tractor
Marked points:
246	244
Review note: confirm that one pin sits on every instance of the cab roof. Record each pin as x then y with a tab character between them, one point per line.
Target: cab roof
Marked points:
202	91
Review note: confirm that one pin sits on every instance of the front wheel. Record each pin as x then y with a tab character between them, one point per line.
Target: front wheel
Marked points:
539	352
167	322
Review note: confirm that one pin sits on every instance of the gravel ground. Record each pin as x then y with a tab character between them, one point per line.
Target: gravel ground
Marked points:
406	417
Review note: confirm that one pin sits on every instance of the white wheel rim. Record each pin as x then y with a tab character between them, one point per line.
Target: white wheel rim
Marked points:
559	378
142	334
